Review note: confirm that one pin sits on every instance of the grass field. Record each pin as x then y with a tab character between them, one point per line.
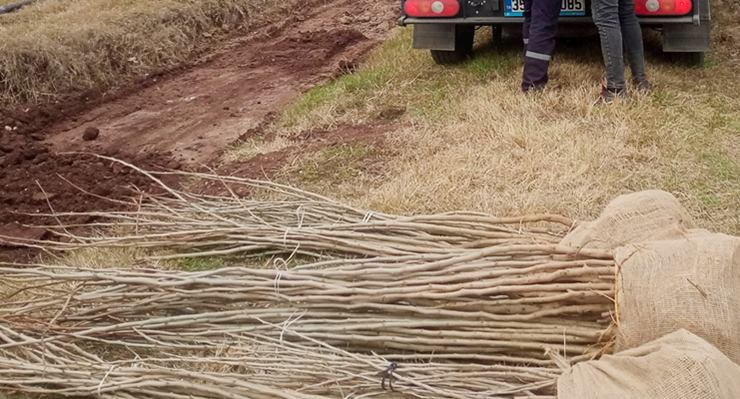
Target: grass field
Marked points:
470	140
57	48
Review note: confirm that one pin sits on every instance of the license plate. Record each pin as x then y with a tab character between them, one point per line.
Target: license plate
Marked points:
568	8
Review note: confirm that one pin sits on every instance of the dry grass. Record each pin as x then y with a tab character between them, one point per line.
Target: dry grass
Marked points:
56	48
470	140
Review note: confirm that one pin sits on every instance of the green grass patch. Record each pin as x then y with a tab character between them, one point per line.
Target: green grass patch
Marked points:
396	74
330	165
197	264
722	167
490	63
341	94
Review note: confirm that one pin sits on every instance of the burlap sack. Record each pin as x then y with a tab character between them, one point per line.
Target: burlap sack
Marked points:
677	366
632	218
691	283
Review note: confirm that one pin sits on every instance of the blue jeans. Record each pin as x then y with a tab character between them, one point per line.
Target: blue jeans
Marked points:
620	33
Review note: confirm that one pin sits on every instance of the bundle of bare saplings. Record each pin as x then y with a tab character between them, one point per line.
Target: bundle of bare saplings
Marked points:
316	299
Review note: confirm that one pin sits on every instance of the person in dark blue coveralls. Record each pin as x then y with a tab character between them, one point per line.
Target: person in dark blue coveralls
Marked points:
540	29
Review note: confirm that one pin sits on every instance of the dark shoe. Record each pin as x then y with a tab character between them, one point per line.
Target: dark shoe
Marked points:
643	86
533	89
608	95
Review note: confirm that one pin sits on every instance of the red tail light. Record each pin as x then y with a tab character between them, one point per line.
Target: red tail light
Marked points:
646	8
431	8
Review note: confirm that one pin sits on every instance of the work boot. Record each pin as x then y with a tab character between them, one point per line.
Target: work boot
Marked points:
609	95
533	89
643	85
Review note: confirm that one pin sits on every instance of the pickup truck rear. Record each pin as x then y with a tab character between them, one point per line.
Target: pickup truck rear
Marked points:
447	27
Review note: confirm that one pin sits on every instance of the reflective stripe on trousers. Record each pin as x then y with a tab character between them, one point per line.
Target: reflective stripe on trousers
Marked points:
538	56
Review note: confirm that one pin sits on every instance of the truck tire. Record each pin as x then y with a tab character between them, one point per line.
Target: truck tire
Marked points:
497	35
464	36
694	59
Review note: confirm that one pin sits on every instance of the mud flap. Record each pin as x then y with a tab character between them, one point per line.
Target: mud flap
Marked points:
434	37
693	38
686	38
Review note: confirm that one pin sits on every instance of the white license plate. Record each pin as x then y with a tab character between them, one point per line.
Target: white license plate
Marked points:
568	8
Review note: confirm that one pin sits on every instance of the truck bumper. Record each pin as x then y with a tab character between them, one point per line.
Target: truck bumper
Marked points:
403	21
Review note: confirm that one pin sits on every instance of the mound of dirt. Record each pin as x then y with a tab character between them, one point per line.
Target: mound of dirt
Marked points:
35	180
311	49
32	119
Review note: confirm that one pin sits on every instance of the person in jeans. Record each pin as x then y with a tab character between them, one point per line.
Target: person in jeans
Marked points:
620	33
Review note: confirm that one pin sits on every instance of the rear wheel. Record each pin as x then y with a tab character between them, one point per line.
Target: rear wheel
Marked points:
497	34
464	36
695	60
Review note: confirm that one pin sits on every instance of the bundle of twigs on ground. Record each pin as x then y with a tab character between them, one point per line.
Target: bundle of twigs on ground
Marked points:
295	222
465	305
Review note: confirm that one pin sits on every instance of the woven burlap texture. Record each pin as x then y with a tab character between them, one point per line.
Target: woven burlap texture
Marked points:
691	283
633	218
679	365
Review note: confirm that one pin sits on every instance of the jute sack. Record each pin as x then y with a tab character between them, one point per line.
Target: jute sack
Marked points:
632	218
691	283
677	366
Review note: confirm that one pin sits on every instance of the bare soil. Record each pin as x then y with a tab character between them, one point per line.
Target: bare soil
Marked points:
196	114
266	165
183	119
36	180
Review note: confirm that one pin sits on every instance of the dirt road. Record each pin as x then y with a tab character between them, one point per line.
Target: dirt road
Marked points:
183	119
196	114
